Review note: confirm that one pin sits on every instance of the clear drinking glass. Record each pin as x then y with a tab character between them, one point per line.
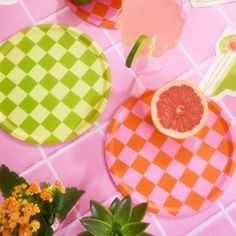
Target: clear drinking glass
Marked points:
163	19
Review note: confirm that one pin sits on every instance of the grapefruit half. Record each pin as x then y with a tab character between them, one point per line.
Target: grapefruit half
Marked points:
179	109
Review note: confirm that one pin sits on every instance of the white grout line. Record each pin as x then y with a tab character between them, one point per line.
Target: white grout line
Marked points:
186	5
210	220
158	224
189	57
230	23
79	140
55	175
219	203
111	47
63	149
186	74
27	12
226	110
101	131
33	167
48	163
54	15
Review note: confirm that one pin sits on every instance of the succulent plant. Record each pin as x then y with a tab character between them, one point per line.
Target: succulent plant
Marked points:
120	219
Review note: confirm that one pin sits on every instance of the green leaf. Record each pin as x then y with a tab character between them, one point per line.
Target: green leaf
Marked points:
85	233
64	202
96	227
46	211
8	180
138	212
116	227
134	229
100	212
145	234
45	229
114	205
123	211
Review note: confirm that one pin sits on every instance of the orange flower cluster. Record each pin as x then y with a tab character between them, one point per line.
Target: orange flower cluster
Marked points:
15	215
17	210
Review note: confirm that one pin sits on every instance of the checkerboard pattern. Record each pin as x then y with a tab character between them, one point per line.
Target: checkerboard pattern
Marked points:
54	84
176	177
98	12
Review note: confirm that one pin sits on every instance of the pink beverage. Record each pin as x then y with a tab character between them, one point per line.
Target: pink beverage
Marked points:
161	18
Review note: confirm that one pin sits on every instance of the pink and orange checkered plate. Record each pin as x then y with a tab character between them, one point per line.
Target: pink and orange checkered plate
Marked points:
176	177
98	12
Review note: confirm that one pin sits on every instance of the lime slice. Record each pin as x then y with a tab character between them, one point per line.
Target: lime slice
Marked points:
136	50
82	1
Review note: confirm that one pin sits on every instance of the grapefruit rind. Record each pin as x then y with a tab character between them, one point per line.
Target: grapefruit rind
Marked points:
171	132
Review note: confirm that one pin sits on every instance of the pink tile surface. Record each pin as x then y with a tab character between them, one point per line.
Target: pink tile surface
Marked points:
76	163
39	9
230	102
36	175
69	18
202	30
86	169
182	225
233	214
13	19
229	10
120	77
221	226
17	155
229	195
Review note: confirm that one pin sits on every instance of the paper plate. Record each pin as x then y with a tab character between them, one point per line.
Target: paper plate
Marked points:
176	177
54	84
99	12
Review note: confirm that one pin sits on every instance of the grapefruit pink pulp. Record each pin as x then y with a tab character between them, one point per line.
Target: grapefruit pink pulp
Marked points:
179	109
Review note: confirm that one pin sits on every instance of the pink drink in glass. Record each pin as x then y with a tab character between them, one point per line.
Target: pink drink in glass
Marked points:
163	19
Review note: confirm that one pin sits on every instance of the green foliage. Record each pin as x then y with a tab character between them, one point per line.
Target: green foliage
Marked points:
50	211
8	180
63	202
120	219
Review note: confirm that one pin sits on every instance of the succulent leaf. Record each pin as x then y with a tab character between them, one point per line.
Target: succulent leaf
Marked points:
96	227
114	205
116	227
100	212
123	211
118	220
134	229
138	212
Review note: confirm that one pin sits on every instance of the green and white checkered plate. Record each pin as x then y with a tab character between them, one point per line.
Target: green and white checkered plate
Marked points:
54	84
